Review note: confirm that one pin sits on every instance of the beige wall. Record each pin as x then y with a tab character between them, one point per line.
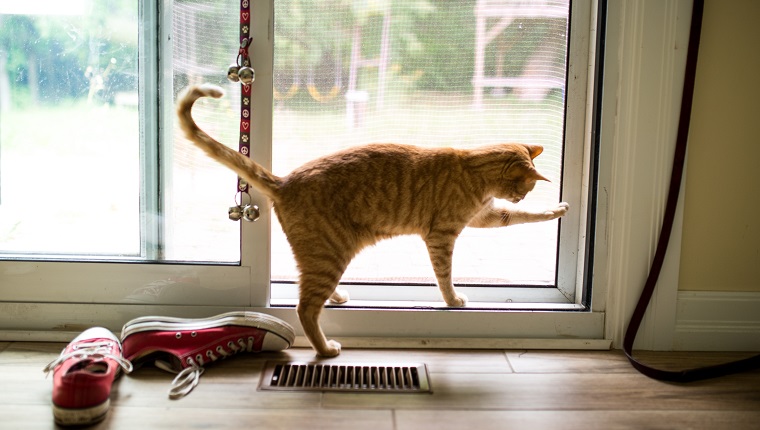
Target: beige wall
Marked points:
721	235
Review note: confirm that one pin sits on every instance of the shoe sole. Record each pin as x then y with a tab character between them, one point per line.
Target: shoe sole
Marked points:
257	320
80	417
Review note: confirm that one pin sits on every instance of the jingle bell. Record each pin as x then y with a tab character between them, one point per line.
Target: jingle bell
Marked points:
251	213
235	213
246	75
232	73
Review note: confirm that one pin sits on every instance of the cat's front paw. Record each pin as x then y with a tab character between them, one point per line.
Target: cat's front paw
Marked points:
557	212
331	350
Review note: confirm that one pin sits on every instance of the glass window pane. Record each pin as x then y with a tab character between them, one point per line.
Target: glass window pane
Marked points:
199	190
69	128
444	73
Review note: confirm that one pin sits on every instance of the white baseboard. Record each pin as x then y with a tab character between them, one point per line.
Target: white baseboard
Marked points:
717	321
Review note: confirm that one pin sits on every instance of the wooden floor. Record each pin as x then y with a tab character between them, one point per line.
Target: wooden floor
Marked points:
472	390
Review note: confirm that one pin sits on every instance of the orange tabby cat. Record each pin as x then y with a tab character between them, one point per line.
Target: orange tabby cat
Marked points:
334	206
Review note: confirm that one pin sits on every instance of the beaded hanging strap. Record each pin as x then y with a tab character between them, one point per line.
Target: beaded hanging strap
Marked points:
241	71
245	94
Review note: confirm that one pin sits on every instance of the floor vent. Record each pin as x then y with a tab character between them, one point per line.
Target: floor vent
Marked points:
371	378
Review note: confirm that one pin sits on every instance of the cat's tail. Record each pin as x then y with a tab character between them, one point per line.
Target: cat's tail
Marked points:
256	175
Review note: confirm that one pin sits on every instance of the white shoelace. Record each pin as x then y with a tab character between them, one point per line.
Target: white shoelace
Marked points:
185	380
189	377
95	351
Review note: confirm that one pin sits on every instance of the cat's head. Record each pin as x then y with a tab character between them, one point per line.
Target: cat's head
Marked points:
517	175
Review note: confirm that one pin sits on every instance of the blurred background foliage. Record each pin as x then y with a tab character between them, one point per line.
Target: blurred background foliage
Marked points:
53	58
50	58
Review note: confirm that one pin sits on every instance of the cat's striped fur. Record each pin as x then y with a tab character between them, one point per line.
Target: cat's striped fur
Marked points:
334	206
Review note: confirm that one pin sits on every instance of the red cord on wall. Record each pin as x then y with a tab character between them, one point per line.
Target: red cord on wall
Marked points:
696	374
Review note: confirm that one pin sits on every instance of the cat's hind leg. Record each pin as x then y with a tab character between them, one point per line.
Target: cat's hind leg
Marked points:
315	289
323	252
339	296
440	247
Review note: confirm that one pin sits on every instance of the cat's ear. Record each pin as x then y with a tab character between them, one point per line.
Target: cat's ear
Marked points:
534	150
537	175
524	171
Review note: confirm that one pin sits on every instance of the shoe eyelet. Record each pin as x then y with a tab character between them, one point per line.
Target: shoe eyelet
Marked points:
178	335
219	349
193	334
199	358
209	353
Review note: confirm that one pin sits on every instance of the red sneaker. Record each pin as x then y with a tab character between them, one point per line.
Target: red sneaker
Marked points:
183	346
83	375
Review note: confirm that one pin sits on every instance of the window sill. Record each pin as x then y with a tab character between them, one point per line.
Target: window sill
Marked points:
56	321
496	297
439	306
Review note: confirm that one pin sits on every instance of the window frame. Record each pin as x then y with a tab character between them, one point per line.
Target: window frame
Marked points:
50	310
567	293
151	45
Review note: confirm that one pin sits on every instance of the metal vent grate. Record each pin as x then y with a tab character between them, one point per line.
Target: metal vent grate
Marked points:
376	378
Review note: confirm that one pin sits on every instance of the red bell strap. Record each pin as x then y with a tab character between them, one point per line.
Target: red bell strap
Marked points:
241	71
245	93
